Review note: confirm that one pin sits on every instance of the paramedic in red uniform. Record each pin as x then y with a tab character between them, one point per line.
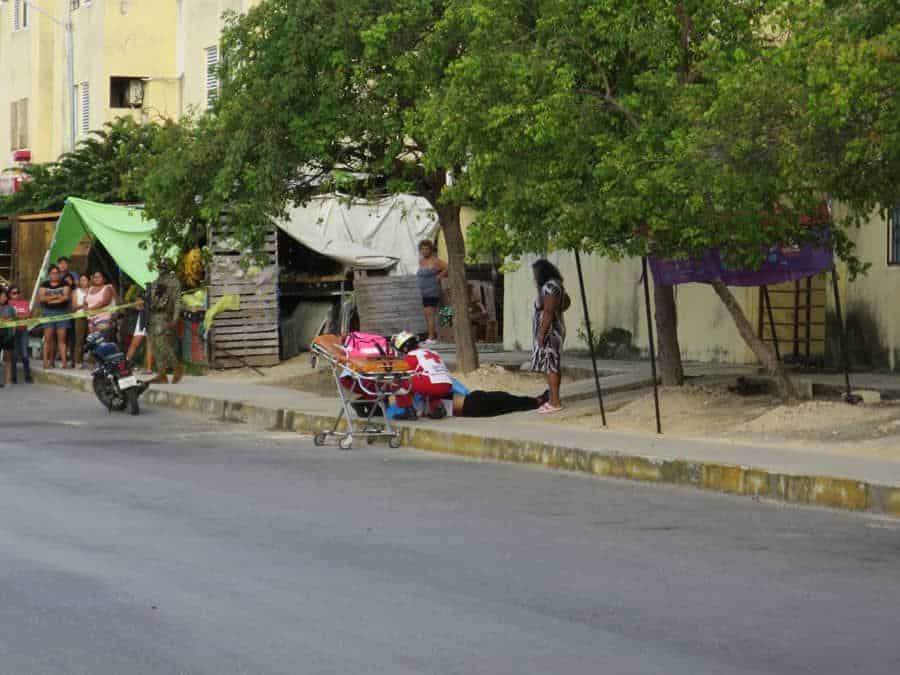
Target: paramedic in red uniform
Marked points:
431	377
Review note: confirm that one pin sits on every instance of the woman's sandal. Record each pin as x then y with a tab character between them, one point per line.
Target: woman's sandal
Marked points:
548	409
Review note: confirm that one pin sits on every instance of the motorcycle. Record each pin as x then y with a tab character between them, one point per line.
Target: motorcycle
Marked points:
115	384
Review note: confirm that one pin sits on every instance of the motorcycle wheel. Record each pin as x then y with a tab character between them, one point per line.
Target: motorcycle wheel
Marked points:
103	391
133	406
107	394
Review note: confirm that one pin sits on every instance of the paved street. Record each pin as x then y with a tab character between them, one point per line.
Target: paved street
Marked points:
172	544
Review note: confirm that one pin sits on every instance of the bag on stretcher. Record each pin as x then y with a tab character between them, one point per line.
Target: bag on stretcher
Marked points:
367	346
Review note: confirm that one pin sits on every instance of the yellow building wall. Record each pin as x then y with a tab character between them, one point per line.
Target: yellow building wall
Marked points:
467	216
200	26
140	42
871	303
116	38
615	300
27	71
162	42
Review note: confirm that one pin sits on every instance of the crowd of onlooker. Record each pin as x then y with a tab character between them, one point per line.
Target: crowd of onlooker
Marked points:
64	293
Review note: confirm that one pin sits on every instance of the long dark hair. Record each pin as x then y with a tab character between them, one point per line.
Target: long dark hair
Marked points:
544	271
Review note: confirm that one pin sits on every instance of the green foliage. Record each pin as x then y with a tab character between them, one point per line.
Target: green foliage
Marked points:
617	126
105	167
613	343
314	96
671	127
836	78
180	170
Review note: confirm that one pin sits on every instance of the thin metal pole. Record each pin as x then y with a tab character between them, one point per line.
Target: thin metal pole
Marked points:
590	336
843	332
70	65
768	301
652	347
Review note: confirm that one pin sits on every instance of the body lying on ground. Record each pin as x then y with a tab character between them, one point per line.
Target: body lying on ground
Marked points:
433	381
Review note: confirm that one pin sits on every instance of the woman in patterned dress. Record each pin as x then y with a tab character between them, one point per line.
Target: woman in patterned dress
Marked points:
549	330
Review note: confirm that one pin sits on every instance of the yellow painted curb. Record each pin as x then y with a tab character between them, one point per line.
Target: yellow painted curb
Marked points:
831	492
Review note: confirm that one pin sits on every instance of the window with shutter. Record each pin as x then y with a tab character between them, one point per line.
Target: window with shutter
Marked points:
212	75
85	125
23	125
894	235
20	14
14	125
18	124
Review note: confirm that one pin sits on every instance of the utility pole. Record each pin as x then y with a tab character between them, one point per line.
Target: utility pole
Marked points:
70	69
66	25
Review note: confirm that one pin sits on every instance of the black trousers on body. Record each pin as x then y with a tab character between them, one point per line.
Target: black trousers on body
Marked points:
493	403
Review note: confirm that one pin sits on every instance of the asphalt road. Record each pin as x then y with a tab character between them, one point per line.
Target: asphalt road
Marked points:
173	544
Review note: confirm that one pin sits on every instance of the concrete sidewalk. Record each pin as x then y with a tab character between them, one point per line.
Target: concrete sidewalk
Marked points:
773	472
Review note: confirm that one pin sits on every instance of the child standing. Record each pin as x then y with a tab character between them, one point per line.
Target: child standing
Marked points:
79	303
7	313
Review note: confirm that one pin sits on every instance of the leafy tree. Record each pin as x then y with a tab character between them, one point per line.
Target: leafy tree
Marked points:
834	81
104	167
312	92
629	128
181	167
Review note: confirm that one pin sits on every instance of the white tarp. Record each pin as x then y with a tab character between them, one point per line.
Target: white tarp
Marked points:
365	234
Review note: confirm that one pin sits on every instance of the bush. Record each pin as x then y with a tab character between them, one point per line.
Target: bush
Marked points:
614	343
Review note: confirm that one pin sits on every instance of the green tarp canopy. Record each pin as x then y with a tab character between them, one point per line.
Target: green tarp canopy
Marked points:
119	229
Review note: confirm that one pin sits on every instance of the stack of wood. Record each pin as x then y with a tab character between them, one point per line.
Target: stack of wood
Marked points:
388	305
249	336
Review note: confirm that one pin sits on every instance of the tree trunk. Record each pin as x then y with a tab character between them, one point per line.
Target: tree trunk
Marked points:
466	354
763	352
671	371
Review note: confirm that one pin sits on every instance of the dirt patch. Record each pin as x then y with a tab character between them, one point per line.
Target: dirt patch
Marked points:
497	378
295	367
691	411
714	412
827	421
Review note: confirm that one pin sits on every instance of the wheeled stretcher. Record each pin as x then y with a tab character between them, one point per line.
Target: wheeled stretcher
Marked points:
375	379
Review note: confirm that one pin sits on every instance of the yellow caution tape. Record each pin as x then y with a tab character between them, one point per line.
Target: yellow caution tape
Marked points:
227	303
194	301
82	314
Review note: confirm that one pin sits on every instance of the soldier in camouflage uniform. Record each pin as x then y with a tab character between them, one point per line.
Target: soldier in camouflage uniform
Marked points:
165	308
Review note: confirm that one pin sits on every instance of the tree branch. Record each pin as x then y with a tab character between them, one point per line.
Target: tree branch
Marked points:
686	74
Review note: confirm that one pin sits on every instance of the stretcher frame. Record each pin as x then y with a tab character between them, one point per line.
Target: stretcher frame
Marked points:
378	378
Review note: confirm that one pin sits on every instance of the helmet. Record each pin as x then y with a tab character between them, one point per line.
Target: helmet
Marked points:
404	341
93	341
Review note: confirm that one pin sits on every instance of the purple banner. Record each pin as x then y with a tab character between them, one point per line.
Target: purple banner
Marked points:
782	263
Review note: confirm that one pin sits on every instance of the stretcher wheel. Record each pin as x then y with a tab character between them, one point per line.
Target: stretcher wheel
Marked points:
319	438
346	442
394	442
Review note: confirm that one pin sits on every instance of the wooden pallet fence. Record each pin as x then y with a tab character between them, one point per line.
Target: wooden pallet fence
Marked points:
248	336
388	305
